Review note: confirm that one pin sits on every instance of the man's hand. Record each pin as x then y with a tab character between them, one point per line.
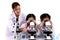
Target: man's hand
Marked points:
24	30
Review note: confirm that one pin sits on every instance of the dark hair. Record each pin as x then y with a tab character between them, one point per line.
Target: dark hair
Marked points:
14	4
30	15
44	16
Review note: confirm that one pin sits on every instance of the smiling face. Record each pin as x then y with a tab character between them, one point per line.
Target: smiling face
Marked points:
17	10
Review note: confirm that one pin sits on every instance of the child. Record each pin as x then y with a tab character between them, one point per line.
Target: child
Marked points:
45	18
26	26
42	26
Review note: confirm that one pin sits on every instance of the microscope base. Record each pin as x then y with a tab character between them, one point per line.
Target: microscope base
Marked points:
32	39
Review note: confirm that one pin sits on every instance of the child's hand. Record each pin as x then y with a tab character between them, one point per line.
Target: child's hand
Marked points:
50	23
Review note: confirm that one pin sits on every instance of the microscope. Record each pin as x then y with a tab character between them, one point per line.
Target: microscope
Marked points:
32	31
48	31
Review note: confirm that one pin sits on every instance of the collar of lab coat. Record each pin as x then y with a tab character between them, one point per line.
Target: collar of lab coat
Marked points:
13	14
21	19
13	17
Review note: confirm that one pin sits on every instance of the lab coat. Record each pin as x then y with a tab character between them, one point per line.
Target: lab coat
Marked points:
11	22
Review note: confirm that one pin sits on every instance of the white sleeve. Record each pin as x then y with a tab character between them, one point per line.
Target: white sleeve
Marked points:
23	25
9	27
24	18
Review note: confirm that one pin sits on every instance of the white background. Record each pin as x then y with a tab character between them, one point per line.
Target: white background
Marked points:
31	6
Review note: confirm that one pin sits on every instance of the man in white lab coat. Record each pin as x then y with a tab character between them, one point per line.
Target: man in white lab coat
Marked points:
12	19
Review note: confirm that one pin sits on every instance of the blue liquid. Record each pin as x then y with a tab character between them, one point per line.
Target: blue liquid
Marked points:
23	36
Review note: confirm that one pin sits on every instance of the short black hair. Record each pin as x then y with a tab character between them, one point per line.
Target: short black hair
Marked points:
30	15
14	4
44	15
